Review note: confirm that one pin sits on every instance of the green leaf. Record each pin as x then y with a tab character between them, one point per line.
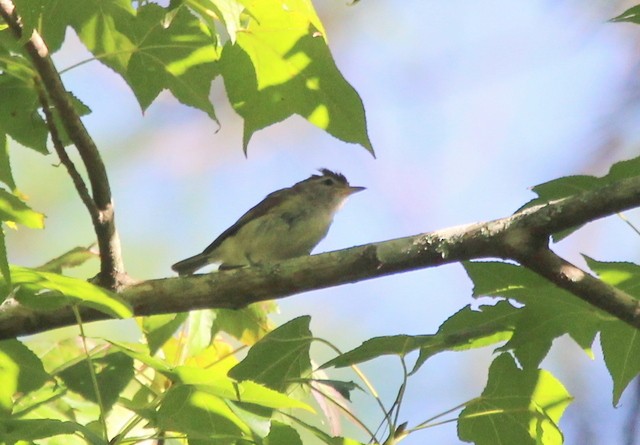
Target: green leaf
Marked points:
15	210
19	117
199	335
227	12
57	354
620	342
470	329
158	329
549	311
20	371
45	16
282	434
73	258
20	430
280	357
375	347
213	382
34	403
80	108
141	353
105	28
186	408
466	329
7	41
341	387
32	286
6	175
567	186
516	407
630	15
173	52
153	48
113	371
4	264
621	348
280	65
256	394
623	275
248	324
29	13
324	437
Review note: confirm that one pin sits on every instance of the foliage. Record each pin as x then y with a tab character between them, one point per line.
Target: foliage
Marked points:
190	386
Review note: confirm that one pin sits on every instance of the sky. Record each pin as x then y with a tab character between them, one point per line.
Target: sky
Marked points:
469	105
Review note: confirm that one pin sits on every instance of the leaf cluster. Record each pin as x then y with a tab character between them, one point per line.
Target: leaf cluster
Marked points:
179	391
272	56
185	380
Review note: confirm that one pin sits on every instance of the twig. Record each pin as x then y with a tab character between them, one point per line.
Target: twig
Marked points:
623	217
112	274
92	373
367	383
78	182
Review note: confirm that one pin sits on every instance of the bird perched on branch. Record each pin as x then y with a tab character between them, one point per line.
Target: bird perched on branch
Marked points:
287	223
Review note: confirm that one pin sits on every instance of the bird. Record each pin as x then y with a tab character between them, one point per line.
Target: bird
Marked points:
286	224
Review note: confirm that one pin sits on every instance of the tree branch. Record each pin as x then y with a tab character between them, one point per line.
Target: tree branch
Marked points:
521	237
590	289
78	182
112	274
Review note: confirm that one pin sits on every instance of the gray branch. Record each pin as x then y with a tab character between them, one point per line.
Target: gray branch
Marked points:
522	237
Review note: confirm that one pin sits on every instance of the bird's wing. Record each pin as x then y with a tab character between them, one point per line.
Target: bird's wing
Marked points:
263	207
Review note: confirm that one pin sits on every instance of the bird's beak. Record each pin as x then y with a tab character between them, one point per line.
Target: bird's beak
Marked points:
353	190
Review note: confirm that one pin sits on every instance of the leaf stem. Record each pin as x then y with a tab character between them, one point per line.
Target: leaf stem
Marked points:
427	423
346	412
92	373
623	217
363	377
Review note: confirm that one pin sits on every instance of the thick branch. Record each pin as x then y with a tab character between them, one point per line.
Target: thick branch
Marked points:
238	287
111	265
569	277
521	237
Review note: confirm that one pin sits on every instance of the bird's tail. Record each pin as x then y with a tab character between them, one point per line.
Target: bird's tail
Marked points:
191	264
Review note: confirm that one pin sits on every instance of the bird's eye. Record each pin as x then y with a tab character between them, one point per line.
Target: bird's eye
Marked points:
328	181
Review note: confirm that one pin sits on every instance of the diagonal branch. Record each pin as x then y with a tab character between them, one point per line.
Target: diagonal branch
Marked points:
521	237
592	290
78	182
112	274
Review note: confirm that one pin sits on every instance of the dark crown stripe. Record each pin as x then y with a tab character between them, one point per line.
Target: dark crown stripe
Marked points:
326	172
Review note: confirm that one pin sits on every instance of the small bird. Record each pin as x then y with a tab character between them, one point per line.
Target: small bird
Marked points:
287	223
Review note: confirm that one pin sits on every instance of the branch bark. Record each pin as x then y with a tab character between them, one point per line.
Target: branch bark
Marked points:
522	237
592	290
112	274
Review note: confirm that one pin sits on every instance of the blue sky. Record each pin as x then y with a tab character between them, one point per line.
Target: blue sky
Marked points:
469	104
